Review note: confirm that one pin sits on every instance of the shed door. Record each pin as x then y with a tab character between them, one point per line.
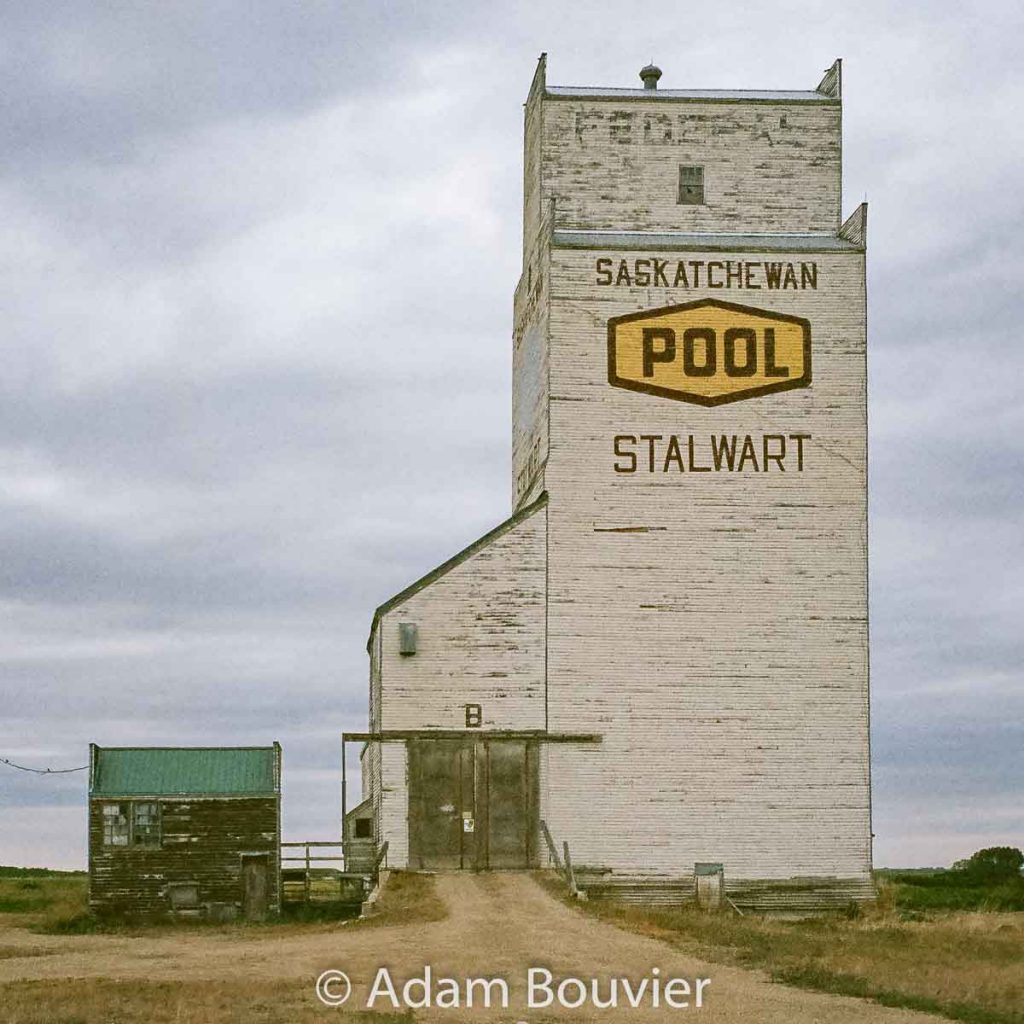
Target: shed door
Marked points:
255	886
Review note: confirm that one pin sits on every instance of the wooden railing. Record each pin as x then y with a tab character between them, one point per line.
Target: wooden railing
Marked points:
381	861
318	882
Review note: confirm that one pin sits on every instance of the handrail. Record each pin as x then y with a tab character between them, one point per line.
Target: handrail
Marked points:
307	867
552	849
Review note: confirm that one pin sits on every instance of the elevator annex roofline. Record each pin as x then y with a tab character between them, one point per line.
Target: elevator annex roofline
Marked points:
457	559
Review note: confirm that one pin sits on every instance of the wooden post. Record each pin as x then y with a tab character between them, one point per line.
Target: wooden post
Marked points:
382	856
307	872
570	877
344	799
552	850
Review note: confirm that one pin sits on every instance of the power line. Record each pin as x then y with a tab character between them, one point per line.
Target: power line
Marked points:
42	771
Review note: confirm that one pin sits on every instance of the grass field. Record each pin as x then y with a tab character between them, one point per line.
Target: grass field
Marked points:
912	948
938	889
35	898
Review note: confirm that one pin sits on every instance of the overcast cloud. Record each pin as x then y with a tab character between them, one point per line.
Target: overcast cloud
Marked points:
257	268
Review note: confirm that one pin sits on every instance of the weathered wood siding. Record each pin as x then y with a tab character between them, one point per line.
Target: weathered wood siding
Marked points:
391	810
712	625
203	840
376	682
480	640
532	200
530	320
767	166
530	381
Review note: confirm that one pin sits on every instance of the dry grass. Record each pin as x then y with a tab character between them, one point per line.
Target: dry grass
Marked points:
50	903
102	1001
58	905
407	898
17	952
966	966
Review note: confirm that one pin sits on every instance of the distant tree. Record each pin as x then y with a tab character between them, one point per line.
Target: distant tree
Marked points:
993	864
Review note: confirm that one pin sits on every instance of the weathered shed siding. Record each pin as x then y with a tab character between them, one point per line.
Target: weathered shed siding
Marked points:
202	842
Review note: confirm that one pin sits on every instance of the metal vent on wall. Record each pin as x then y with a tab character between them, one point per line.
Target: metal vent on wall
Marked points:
407	638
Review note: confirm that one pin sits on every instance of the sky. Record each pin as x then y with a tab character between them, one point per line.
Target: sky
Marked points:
257	273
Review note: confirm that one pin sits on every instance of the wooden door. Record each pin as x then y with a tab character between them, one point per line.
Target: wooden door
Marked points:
472	804
509	824
442	805
255	886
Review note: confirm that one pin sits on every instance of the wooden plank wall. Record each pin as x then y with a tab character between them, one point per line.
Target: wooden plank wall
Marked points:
767	166
392	801
202	842
480	630
712	625
480	640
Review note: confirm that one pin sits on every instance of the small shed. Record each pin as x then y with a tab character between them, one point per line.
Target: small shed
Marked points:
185	831
360	842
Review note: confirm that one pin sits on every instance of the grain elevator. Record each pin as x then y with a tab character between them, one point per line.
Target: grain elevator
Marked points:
661	657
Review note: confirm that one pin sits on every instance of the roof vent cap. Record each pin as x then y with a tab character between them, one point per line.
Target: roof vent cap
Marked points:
650	76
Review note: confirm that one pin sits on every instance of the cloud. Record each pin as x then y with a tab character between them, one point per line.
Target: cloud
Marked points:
257	278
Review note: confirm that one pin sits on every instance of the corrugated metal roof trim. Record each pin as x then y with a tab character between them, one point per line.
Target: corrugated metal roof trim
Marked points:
715	95
186	771
568	239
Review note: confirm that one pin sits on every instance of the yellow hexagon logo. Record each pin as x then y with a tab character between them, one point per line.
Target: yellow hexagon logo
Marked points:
709	352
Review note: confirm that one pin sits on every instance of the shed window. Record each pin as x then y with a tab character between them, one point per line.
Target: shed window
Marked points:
145	824
691	186
364	828
131	824
116	824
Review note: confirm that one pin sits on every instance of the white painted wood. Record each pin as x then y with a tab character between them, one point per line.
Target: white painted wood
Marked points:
711	626
767	166
480	640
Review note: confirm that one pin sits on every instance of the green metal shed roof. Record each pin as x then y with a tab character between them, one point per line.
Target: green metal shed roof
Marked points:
174	771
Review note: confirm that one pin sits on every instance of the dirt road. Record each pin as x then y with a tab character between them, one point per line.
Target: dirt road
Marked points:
500	925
